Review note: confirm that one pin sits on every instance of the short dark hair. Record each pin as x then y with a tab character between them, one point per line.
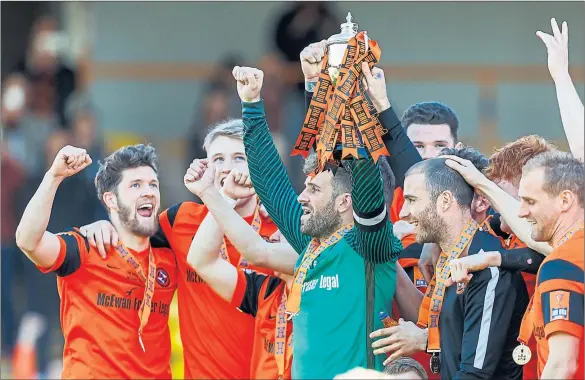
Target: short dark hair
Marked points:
439	178
433	113
341	181
477	158
110	173
405	365
562	171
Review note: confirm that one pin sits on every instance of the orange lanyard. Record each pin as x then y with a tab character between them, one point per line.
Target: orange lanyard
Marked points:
429	314
144	312
256	225
283	349
315	249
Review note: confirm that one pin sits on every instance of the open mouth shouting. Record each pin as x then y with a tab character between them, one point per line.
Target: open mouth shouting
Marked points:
145	209
307	212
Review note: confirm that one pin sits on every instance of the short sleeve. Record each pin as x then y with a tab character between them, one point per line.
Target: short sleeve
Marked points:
73	248
248	288
560	285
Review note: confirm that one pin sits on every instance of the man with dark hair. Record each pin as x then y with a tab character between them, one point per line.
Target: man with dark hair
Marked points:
217	338
104	338
344	233
477	323
431	126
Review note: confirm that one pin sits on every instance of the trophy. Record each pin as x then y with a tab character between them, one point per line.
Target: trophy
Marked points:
336	45
341	119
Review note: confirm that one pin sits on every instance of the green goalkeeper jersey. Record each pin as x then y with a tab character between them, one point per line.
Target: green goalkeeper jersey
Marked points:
330	335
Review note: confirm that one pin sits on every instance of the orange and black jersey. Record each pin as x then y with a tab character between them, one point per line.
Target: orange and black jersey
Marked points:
479	324
557	305
217	339
259	296
100	300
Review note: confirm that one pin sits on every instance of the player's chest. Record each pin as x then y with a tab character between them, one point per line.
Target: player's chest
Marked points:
114	283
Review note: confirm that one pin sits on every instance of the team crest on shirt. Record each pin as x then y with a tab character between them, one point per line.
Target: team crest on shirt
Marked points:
162	277
559	305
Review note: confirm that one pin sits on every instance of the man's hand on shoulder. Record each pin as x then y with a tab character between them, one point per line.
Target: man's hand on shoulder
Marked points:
101	235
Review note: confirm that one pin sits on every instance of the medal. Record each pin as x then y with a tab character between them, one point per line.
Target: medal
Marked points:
521	354
435	363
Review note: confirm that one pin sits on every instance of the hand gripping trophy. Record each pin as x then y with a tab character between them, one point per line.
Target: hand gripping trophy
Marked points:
341	119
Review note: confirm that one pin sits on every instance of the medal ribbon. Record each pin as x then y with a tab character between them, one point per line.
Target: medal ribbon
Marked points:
144	312
315	249
344	113
283	346
433	300
527	325
256	225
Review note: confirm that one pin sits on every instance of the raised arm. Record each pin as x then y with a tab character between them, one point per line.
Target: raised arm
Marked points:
203	254
279	257
266	168
43	247
501	201
570	105
372	236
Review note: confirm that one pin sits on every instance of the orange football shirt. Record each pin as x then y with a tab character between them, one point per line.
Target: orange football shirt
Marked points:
259	296
100	300
558	298
217	338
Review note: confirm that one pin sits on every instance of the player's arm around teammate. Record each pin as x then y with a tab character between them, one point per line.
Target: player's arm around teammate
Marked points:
41	246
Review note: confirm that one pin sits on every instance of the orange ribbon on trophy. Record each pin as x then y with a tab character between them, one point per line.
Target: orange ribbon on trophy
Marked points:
341	112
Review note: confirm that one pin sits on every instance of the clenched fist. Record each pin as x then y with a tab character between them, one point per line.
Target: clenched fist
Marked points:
249	83
311	58
238	185
70	161
199	177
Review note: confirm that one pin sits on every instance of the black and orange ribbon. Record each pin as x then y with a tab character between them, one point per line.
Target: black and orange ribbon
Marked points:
341	112
432	303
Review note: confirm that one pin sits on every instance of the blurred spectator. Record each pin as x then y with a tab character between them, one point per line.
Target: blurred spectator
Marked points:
213	109
43	65
82	120
75	204
27	120
12	176
304	23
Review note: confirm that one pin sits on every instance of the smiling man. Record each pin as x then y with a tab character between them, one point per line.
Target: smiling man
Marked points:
114	314
340	228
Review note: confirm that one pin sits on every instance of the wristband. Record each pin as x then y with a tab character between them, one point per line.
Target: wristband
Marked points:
232	202
310	86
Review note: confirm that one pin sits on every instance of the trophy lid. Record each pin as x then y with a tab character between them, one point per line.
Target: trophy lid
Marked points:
348	30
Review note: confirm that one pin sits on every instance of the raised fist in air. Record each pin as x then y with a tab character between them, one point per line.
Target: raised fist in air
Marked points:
249	83
311	58
199	177
70	161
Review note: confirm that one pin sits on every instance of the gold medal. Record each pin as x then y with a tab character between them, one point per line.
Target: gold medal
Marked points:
521	354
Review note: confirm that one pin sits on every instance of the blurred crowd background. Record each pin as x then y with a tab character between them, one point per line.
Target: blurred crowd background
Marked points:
101	75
